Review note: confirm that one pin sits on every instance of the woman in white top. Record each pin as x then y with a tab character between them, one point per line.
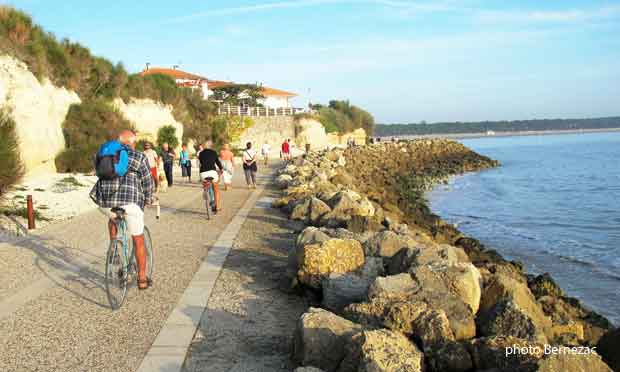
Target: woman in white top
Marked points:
249	165
265	150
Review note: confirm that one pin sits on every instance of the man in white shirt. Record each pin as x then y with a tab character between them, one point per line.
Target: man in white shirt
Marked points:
153	159
265	150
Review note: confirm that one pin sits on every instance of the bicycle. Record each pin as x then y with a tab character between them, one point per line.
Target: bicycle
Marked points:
120	264
208	194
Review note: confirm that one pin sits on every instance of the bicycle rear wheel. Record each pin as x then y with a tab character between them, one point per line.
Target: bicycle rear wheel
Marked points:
207	198
148	246
116	274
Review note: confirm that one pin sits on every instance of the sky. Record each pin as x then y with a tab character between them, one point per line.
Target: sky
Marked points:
404	61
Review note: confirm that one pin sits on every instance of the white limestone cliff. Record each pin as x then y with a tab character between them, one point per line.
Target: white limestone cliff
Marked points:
148	117
38	108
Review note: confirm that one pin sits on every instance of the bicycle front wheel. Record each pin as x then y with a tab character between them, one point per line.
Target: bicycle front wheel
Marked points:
116	274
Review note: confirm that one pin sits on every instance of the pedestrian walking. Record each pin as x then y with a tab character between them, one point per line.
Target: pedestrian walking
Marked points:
249	165
286	150
265	150
153	159
185	163
167	155
226	158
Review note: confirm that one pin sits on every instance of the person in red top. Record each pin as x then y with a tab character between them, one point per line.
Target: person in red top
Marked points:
286	150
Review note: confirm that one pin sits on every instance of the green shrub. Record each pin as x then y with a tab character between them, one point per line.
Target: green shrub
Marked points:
11	167
343	117
86	127
71	181
21	211
167	134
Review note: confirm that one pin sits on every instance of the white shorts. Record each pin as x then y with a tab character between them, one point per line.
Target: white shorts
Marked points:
210	174
134	216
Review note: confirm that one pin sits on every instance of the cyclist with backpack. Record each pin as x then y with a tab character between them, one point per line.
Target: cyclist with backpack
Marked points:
125	182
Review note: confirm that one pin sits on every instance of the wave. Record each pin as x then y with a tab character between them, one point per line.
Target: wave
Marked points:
589	264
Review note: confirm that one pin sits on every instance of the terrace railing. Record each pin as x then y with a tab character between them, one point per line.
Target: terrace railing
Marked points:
257	111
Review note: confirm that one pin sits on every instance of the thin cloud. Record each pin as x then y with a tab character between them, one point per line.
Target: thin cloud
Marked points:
553	16
398	4
254	8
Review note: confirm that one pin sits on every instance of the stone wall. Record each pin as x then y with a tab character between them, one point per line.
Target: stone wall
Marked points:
275	129
271	129
340	140
38	108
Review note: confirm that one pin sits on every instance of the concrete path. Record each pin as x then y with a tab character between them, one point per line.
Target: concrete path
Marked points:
249	322
54	315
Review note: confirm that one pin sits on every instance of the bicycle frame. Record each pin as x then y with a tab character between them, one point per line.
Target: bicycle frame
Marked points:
207	186
123	237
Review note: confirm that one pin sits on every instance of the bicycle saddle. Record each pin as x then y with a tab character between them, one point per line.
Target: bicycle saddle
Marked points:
118	210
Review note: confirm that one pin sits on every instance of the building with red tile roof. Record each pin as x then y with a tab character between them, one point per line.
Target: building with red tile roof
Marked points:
274	98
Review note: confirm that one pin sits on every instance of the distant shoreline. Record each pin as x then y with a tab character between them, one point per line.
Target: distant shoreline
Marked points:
501	134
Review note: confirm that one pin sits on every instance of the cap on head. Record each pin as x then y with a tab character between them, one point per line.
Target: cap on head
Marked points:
127	137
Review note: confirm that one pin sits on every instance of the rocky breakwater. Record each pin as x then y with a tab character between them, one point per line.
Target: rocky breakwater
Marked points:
394	288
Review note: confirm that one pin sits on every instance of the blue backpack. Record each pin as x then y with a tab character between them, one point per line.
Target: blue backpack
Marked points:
112	160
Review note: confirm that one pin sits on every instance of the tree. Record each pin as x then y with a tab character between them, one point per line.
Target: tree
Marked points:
198	125
238	94
167	134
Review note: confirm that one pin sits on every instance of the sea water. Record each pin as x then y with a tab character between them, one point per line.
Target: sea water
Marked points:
554	204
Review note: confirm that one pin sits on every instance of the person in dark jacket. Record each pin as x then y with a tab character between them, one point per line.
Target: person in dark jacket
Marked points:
167	156
211	167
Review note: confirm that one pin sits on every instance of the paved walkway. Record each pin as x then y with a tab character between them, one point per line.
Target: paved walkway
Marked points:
249	322
53	311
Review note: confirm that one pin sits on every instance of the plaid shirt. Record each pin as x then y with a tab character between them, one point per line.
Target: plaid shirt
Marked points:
135	187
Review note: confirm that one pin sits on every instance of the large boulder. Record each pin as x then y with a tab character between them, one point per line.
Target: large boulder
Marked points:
300	210
371	314
393	287
386	244
609	348
386	351
544	285
401	316
566	311
401	262
308	369
571	361
461	319
507	319
448	357
365	208
310	235
283	180
361	224
432	328
462	279
335	256
310	210
343	206
320	339
502	287
505	353
316	210
340	290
